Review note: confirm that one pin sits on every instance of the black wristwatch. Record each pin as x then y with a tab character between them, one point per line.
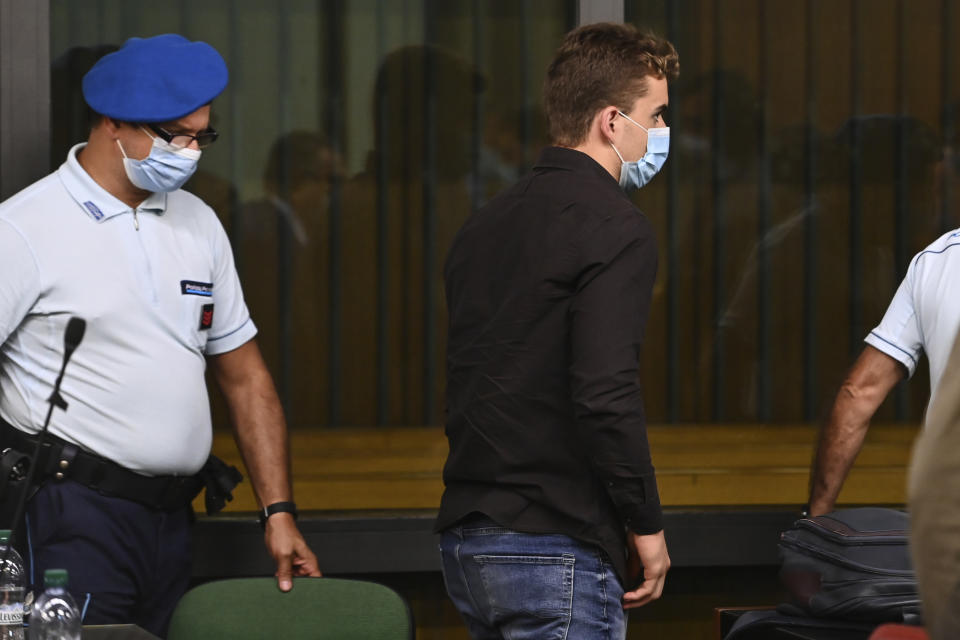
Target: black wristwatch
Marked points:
277	507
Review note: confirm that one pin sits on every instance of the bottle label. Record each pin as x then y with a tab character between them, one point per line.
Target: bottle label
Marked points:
11	613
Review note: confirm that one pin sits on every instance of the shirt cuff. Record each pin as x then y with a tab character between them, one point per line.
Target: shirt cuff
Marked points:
887	346
232	339
638	503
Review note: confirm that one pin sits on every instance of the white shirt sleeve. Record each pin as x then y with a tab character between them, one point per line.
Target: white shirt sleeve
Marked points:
232	325
899	335
20	280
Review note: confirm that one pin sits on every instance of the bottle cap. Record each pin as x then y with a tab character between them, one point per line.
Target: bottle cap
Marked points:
55	578
4	535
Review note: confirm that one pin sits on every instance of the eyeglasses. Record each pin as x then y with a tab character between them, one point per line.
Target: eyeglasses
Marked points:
183	140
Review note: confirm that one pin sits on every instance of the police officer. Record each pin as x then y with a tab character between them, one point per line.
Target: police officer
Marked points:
112	238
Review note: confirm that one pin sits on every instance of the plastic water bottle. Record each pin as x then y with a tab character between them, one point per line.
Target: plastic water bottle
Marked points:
55	615
12	581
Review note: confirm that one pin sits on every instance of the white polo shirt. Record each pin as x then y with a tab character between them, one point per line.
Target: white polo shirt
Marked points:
924	315
159	291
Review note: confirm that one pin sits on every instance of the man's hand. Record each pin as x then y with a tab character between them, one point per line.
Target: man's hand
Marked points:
289	551
646	554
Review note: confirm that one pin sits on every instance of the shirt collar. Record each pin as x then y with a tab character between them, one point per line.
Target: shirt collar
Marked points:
573	160
94	200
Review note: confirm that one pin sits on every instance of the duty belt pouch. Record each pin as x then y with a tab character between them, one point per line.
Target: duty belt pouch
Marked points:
851	564
14	466
219	480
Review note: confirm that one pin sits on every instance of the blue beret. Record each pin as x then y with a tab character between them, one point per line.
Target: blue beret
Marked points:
155	79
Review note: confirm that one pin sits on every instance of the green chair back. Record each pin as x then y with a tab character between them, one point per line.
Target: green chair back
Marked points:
316	609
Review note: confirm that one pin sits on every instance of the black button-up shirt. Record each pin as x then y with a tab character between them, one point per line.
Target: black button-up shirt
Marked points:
548	288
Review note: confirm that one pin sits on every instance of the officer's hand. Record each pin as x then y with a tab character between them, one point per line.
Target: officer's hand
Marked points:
647	554
289	550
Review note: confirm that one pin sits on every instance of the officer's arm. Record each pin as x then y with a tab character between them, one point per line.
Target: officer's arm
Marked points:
261	434
872	377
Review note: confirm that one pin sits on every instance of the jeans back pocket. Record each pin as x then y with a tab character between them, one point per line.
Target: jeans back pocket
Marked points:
531	596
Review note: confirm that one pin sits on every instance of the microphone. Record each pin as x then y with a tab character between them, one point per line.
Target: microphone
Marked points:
76	327
71	339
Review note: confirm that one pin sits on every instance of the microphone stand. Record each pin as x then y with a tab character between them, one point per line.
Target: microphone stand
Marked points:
73	336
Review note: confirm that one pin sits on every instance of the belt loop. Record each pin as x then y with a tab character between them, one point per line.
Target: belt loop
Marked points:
68	452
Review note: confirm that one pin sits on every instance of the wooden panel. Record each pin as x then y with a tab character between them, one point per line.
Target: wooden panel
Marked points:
697	465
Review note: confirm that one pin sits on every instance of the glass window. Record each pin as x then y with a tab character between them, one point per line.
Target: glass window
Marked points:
355	139
811	158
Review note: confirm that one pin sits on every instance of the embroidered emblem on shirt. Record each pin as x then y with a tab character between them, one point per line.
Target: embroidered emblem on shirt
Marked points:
189	287
94	210
206	317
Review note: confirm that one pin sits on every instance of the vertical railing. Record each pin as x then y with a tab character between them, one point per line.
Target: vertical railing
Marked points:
855	264
673	211
478	184
383	227
719	215
236	138
331	35
429	182
284	226
947	116
812	212
901	180
763	221
525	124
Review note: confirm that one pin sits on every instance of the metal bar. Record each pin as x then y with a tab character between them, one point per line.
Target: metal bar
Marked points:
590	11
429	182
719	217
763	223
333	37
810	248
383	229
525	82
948	123
855	269
407	185
901	185
673	212
478	190
235	139
284	226
24	71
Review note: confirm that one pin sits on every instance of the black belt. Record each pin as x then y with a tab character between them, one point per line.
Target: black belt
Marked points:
60	460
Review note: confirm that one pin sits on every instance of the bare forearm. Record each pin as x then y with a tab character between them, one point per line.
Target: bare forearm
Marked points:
261	435
257	419
870	380
840	442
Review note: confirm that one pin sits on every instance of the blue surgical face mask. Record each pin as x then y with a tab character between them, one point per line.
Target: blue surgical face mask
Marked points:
636	173
167	167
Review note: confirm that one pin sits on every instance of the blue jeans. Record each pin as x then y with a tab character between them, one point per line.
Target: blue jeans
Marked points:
519	586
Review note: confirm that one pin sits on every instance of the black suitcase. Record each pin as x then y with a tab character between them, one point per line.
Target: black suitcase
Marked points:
852	564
